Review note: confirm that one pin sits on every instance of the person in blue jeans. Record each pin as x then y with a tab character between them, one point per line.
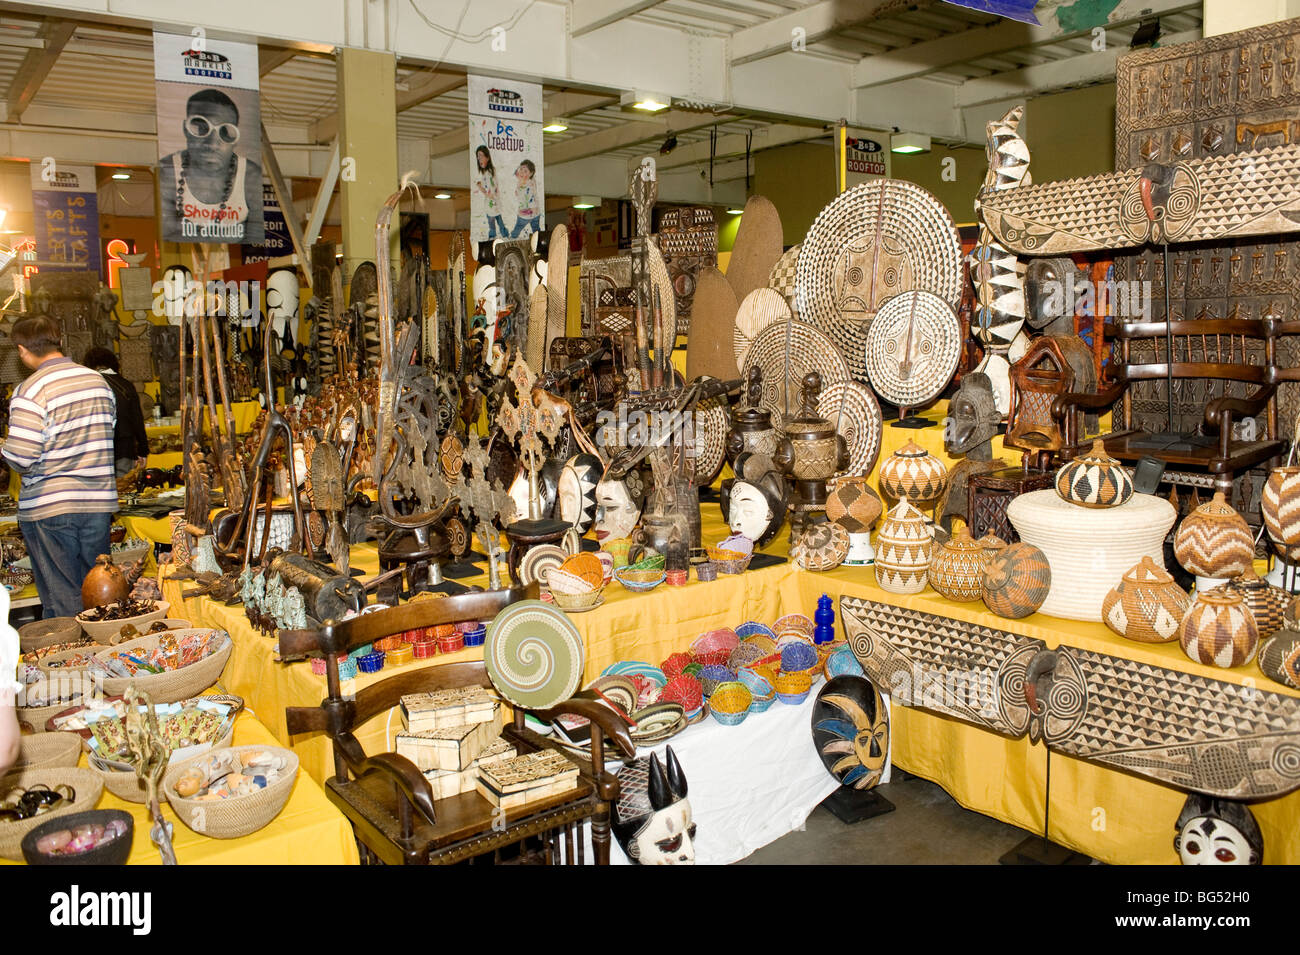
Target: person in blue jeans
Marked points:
529	216
487	185
61	441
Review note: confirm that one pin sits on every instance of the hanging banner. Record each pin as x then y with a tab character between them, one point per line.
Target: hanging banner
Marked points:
209	140
867	156
65	207
277	241
505	135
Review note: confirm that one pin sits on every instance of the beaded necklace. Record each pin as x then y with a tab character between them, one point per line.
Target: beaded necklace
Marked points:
231	169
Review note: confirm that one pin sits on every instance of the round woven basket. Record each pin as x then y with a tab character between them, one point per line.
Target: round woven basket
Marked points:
713	676
37	716
105	630
730	703
792	687
1089	549
173	685
762	692
577	601
238	817
48	750
84	783
639	581
48	632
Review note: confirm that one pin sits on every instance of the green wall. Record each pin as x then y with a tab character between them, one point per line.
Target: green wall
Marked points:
800	181
957	193
1071	133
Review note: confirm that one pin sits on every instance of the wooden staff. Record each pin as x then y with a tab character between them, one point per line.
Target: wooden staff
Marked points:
661	363
234	481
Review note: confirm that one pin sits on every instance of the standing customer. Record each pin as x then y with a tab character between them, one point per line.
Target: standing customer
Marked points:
61	441
130	443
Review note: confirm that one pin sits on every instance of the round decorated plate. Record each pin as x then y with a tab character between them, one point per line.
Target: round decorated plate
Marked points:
629	668
808	349
913	348
658	722
538	561
620	690
534	655
852	407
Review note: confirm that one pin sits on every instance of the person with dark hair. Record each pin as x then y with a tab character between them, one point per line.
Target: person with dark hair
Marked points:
487	185
61	441
529	215
130	442
208	190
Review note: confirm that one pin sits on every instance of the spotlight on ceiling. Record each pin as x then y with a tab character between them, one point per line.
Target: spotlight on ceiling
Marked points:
735	212
645	101
1147	32
586	202
669	145
555	126
442	195
908	143
121	175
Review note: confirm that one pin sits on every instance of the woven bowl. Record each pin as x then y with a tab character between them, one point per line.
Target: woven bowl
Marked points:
38	716
761	690
104	631
797	655
115	852
711	677
714	646
172	685
86	784
585	566
52	750
577	601
729	561
738	542
562	582
768	667
400	656
795	621
653	562
706	571
683	689
764	642
730	703
675	663
752	628
238	817
793	686
47	633
639	581
745	654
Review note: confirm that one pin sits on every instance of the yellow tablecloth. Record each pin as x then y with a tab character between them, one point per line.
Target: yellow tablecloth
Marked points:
308	831
245	413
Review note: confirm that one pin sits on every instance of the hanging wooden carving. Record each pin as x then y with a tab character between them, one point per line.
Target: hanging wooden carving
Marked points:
1177	728
688	239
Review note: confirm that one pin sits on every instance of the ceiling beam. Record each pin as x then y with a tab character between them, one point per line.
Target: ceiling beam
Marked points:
588	15
36	65
572	103
629	134
270	58
734	145
1056	75
930	56
421	87
817	21
455	141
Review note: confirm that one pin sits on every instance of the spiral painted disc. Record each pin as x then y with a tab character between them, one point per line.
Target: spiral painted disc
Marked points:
534	655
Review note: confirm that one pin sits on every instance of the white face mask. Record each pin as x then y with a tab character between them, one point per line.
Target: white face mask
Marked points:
668	838
749	513
282	303
616	514
1207	840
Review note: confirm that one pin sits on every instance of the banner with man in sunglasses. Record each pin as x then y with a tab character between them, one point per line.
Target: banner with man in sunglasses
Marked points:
209	140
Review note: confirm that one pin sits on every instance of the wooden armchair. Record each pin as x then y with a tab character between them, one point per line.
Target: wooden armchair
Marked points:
389	802
1223	357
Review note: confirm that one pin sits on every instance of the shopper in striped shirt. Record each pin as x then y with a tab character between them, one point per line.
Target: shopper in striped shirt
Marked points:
61	441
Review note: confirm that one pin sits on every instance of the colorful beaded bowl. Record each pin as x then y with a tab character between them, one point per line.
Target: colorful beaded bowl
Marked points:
465	626
760	688
714	646
683	689
677	578
763	642
730	703
729	561
693	669
674	664
451	644
798	655
361	651
706	571
768	666
792	687
347	669
636	668
586	567
476	637
795	621
711	677
388	644
562	582
842	662
752	628
371	662
639	580
745	654
425	649
652	562
439	631
400	656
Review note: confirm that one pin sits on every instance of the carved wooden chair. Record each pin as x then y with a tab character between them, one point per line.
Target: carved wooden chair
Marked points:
389	802
1215	350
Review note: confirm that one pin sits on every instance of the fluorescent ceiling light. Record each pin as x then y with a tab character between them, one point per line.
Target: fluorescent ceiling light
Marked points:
909	143
586	202
442	195
554	126
645	101
121	175
735	212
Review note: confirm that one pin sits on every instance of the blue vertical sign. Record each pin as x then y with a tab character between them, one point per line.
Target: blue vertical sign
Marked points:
277	242
65	207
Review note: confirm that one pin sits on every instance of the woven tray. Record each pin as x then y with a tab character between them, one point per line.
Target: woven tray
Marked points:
761	308
888	228
808	349
232	818
174	685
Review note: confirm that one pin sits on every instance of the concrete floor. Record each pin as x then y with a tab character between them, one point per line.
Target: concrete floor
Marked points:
927	827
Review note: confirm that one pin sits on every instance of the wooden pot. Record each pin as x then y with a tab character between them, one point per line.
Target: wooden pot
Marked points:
105	584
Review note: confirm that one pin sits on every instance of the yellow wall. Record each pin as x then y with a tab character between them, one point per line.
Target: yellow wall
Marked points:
958	193
800	181
1071	133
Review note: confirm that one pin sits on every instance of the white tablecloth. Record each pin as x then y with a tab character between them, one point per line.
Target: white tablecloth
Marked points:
748	785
